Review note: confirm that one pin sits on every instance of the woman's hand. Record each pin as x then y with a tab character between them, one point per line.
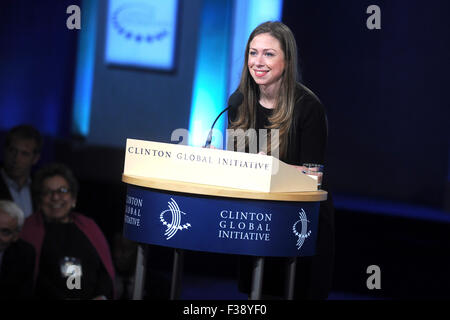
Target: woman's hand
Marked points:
302	169
311	171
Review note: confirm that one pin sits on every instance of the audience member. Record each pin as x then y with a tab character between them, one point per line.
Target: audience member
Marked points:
73	260
16	256
22	150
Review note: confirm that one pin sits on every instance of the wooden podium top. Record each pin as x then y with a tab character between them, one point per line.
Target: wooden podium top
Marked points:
209	190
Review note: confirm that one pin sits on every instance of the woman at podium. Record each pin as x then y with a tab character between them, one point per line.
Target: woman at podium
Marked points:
296	126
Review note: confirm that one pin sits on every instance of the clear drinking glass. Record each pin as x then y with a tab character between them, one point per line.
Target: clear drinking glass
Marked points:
314	170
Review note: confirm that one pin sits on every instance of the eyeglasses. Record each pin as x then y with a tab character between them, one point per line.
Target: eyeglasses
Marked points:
7	232
60	192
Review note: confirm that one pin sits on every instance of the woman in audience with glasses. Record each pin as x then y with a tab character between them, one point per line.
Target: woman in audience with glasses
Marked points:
73	259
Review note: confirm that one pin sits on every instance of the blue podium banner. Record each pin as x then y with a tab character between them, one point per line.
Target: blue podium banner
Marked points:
219	224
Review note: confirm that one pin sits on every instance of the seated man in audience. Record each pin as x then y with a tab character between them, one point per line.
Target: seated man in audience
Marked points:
16	256
22	150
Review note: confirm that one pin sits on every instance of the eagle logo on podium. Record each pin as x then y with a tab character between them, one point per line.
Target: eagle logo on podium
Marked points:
175	223
303	233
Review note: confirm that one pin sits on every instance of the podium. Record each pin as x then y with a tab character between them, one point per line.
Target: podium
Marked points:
202	203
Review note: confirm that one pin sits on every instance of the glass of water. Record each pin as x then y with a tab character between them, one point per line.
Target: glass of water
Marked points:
315	171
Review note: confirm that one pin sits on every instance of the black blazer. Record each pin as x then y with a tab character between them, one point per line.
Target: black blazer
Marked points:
4	191
6	195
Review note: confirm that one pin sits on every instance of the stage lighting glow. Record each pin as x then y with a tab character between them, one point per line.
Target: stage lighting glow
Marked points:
85	69
225	28
211	72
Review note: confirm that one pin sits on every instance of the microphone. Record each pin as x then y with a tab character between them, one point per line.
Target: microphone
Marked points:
233	102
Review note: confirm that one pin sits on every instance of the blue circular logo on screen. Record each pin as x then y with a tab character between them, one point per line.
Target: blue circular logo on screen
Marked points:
139	22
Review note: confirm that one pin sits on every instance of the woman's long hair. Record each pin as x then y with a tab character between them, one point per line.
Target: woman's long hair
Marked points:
282	116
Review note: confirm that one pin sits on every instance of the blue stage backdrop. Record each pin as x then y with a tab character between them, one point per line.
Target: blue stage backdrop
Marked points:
38	54
384	90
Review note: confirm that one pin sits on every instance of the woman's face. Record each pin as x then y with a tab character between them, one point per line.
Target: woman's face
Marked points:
57	199
266	60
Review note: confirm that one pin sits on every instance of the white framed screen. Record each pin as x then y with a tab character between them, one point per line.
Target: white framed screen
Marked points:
142	33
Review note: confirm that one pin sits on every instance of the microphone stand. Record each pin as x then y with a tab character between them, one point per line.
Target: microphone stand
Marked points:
209	139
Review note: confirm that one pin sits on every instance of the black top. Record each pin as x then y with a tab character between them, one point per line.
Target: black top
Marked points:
308	135
307	141
16	271
262	117
64	245
307	138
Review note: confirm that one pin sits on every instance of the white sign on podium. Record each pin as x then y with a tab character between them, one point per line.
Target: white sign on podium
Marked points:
224	168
